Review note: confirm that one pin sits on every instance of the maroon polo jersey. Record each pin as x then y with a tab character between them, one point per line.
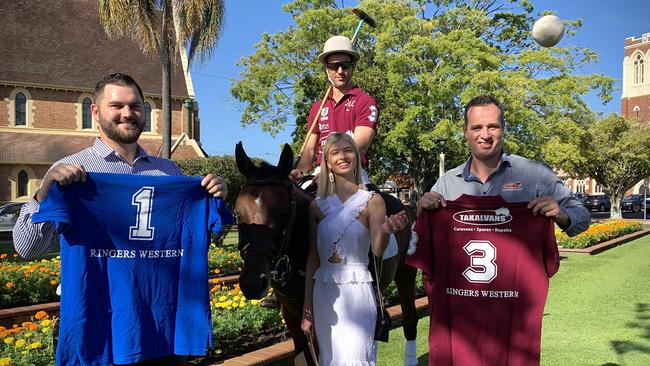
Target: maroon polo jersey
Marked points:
356	108
487	264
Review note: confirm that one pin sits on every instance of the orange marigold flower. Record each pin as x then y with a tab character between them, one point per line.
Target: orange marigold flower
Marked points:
41	315
54	282
3	256
9	285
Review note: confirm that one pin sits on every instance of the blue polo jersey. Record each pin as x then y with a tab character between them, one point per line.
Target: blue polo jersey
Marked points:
134	270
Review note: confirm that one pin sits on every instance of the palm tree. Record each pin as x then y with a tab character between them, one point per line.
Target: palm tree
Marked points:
159	26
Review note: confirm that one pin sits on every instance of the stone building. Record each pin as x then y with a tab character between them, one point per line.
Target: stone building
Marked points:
53	54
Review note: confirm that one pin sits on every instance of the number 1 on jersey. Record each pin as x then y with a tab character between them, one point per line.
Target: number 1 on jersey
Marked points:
143	200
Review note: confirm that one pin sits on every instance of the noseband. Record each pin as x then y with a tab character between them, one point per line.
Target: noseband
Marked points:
263	239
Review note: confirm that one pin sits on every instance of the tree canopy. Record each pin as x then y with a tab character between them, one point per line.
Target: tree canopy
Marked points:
615	151
424	60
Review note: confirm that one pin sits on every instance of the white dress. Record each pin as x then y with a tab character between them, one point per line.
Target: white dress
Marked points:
344	297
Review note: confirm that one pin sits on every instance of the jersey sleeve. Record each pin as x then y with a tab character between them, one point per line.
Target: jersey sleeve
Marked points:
551	251
54	209
367	113
219	215
422	258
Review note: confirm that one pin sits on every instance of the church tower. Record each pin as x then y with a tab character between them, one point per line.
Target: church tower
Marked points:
635	100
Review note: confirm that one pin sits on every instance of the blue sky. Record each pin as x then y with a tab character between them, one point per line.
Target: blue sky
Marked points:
604	29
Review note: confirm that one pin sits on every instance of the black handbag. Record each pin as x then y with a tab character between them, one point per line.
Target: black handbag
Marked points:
384	324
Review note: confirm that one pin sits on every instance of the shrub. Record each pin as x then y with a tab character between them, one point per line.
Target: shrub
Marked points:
224	260
239	325
598	233
224	166
25	283
29	343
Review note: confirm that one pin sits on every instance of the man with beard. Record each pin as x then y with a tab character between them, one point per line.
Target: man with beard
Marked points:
347	109
118	110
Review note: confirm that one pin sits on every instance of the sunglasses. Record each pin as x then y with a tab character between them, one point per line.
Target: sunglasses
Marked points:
334	66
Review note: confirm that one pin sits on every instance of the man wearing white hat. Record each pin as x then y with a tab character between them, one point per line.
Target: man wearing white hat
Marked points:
347	109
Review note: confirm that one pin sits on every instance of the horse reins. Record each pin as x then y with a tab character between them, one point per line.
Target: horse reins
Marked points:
281	265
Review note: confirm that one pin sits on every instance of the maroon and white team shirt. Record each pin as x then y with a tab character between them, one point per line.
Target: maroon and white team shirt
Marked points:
486	264
356	108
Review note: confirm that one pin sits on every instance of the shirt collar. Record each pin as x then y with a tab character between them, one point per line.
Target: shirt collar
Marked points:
352	92
466	173
105	151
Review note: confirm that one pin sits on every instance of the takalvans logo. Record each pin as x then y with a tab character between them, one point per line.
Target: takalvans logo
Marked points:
499	216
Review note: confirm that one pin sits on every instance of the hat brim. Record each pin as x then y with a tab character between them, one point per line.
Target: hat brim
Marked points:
323	56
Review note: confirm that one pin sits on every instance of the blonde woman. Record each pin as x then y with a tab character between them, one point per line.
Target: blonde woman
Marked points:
347	221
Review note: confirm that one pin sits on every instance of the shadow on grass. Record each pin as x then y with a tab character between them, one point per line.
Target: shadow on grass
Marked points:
642	323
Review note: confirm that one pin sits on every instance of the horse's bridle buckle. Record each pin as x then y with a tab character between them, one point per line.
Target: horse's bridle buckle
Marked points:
281	271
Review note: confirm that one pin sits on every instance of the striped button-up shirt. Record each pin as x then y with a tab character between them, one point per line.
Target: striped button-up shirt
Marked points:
33	240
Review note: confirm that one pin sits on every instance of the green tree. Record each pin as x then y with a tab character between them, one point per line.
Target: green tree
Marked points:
613	150
423	62
224	166
158	26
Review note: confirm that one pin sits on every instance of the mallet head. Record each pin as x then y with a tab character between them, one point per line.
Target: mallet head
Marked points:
365	17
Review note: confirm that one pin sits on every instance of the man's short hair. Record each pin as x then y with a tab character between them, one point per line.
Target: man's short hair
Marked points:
116	79
485	100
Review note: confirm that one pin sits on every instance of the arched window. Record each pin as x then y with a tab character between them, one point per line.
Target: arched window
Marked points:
638	69
636	111
86	116
23	180
21	109
147	117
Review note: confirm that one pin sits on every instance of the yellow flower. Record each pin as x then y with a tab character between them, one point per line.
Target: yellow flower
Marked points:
222	298
5	361
35	345
54	282
217	271
46	323
242	304
9	340
235	298
255	302
45	330
28	334
20	343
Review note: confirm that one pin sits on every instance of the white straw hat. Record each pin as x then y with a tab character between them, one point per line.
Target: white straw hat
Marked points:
338	44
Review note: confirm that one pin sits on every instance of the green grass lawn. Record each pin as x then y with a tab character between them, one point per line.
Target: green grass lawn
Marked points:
597	313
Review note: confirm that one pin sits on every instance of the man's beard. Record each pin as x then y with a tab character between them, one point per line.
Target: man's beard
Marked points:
124	137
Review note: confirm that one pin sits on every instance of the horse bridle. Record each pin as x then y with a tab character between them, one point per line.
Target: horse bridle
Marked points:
249	235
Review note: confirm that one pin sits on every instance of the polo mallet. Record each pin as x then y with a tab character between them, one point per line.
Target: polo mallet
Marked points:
363	18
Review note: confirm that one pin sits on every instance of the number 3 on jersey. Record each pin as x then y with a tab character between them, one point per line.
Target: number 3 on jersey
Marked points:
482	256
143	200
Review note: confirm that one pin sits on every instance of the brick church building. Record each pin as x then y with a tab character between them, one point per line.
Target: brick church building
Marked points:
635	98
53	54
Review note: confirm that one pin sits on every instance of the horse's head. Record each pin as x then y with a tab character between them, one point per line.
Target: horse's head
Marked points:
266	210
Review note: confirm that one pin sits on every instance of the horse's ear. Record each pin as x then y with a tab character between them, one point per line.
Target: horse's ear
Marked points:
244	164
285	164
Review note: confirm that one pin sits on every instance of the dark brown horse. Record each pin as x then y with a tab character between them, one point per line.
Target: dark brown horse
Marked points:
274	240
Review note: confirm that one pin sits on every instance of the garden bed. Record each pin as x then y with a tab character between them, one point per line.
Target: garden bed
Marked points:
597	233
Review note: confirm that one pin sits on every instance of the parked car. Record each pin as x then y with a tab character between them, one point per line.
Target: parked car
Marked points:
598	202
8	216
633	202
580	197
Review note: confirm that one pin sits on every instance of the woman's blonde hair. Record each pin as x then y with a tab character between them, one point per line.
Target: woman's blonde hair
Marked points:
325	187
